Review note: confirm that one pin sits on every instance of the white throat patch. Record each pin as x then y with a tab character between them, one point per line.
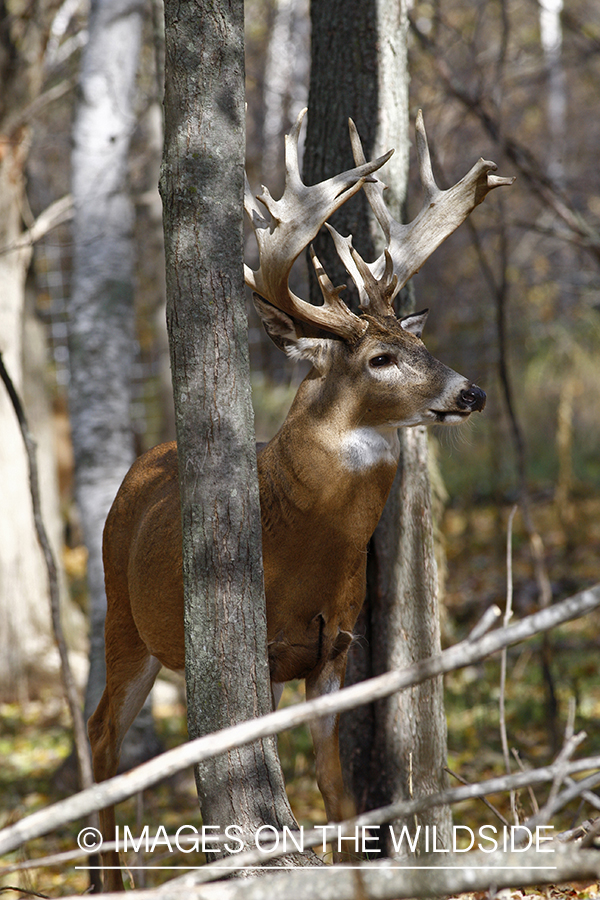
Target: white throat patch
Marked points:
363	448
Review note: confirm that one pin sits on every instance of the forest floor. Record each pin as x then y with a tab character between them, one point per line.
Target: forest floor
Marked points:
35	738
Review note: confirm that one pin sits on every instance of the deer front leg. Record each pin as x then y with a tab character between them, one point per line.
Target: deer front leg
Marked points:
325	736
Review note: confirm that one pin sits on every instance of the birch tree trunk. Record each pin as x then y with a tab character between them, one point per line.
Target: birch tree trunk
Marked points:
24	609
202	189
397	748
27	651
101	323
556	102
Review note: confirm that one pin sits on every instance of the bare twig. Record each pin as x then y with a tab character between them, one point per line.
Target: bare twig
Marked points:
578	229
590	838
485	802
590	798
486	622
72	694
21	890
572	741
573	791
504	657
532	797
58	212
576	790
575	834
401	809
24	115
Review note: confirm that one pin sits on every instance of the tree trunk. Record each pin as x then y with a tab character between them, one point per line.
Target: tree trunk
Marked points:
202	188
101	339
24	625
27	652
398	748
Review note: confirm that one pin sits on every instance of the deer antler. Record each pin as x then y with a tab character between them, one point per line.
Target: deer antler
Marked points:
294	221
408	246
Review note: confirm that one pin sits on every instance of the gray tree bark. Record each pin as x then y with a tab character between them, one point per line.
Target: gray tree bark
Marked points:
101	323
202	189
397	748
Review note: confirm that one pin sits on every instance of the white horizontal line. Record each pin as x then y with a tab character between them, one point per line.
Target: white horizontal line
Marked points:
312	868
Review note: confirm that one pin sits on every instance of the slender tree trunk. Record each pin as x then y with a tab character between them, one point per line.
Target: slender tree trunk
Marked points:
24	625
101	324
398	748
551	39
27	650
286	76
202	189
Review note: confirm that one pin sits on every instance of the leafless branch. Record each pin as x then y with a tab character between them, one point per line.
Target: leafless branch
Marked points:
217	870
390	879
532	797
564	756
122	786
581	232
72	694
485	802
23	116
58	212
401	809
504	656
486	622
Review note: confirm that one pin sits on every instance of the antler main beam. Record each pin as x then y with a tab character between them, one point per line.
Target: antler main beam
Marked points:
294	221
409	246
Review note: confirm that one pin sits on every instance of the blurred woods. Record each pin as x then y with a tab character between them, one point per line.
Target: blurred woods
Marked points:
514	294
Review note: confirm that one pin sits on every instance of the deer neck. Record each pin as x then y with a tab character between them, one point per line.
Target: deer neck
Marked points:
325	465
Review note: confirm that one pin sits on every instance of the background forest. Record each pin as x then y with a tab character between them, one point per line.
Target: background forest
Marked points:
515	303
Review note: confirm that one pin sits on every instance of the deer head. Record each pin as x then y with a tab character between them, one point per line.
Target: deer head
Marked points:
394	380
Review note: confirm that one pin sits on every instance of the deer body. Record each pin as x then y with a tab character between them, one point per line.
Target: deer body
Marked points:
323	479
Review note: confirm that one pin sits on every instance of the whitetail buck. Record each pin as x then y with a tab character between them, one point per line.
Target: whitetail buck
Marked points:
324	478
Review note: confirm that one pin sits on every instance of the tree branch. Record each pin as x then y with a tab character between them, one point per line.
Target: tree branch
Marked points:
312	838
581	232
122	786
390	880
58	212
72	694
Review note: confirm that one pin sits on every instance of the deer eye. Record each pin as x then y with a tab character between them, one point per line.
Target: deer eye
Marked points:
383	360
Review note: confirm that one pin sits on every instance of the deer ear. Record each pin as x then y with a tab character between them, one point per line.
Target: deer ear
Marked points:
278	325
283	331
415	323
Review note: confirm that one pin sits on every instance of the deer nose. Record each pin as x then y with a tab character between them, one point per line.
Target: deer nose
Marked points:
472	398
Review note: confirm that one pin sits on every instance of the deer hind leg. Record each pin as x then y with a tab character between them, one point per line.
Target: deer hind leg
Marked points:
325	736
129	679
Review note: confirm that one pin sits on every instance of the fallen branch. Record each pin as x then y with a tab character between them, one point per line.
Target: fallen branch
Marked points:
390	880
401	809
123	786
314	837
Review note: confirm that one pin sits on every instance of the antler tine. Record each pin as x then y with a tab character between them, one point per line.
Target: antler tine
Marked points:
442	211
295	219
430	188
331	294
376	283
374	191
380	291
